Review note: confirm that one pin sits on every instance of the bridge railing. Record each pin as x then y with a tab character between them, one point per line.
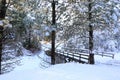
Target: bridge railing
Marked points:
74	55
105	54
81	55
86	51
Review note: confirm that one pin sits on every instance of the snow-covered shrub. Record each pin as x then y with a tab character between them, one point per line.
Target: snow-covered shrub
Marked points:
105	41
74	42
111	45
10	56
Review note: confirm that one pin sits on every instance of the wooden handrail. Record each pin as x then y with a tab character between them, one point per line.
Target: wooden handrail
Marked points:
106	54
74	56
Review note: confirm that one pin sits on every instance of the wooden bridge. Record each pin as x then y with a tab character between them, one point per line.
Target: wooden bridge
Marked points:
69	55
78	55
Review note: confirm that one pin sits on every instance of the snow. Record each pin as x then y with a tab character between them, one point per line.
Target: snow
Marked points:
30	69
1	23
115	17
8	25
30	16
47	34
68	71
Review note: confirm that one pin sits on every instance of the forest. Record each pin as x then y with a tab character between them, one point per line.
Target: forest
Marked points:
92	25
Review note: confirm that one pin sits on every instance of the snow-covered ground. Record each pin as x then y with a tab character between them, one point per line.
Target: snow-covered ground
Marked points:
68	71
32	69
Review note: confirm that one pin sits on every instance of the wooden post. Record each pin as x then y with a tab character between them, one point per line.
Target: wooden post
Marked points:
53	34
91	55
79	57
53	48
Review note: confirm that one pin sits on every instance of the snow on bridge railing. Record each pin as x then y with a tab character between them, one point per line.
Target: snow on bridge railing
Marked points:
106	54
74	55
86	51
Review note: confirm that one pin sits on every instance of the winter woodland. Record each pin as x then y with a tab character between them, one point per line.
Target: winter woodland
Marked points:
90	25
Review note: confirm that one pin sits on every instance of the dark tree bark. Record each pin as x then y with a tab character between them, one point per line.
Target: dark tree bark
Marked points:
1	40
53	34
29	39
91	55
3	9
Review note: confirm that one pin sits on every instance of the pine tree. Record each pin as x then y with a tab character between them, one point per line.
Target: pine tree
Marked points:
3	8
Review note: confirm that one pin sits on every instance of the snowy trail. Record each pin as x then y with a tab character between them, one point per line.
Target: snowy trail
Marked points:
32	62
31	70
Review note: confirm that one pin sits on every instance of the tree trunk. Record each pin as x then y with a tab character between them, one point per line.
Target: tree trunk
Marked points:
3	9
2	16
1	40
53	34
91	55
29	38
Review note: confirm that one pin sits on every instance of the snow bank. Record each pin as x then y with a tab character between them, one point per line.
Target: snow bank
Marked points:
68	71
30	70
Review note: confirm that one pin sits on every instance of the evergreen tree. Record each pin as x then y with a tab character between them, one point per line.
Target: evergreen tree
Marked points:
3	9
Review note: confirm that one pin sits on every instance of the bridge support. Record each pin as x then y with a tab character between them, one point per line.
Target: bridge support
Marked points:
53	48
91	59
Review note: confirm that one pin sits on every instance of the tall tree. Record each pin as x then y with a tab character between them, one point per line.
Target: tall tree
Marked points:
3	8
91	55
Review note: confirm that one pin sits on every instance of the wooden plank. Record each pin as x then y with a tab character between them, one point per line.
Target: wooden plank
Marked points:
106	54
74	56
